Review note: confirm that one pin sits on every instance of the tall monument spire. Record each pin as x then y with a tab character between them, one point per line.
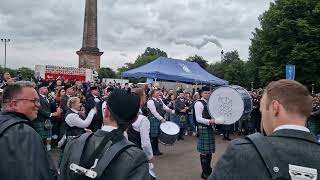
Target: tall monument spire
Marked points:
89	54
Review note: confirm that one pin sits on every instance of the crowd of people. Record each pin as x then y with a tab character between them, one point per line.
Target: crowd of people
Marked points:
84	119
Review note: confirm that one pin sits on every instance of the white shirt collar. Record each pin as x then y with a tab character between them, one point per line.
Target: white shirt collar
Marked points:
108	128
204	99
74	110
294	127
43	95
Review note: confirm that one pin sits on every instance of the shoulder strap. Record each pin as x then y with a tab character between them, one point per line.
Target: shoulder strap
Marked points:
269	156
10	123
110	154
81	143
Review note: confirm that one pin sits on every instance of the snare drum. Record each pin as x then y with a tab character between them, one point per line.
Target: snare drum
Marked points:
230	103
168	133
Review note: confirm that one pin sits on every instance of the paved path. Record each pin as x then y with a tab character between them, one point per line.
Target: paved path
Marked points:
181	161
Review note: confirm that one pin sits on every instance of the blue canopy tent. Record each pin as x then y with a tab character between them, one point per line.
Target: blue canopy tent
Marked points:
174	70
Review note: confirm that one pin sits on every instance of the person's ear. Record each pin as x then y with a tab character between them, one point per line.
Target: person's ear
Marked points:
275	107
106	113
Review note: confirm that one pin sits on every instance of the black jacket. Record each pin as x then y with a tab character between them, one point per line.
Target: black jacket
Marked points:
97	120
22	153
131	164
242	161
44	110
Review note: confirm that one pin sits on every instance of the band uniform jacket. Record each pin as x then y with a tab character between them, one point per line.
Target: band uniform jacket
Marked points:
22	153
97	120
131	164
64	106
242	161
43	114
44	110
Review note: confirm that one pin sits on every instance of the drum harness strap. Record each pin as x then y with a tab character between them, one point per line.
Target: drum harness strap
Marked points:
276	169
197	124
100	158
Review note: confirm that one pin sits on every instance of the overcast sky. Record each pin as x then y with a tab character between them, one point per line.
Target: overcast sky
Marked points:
50	31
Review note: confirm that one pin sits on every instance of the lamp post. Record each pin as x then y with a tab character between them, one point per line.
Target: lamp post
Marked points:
5	50
221	55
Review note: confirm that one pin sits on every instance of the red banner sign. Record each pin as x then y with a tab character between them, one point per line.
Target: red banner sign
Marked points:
65	76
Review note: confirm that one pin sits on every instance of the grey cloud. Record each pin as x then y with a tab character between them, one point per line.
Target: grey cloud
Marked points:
123	54
128	26
201	44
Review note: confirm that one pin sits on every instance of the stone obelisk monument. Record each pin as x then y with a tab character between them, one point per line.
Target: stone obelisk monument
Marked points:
89	54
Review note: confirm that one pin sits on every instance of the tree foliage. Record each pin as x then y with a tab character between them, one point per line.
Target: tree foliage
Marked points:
149	55
106	72
231	68
25	72
198	59
289	34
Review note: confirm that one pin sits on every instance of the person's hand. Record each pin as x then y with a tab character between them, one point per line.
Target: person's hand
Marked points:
219	120
56	114
82	109
163	120
212	121
59	110
94	109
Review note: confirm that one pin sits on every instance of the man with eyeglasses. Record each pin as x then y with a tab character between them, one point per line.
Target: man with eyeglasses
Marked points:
22	153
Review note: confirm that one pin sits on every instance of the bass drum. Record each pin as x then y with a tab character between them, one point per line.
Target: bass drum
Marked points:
229	103
168	133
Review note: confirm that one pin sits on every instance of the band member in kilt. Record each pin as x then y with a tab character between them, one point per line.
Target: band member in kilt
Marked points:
42	124
206	140
181	111
156	117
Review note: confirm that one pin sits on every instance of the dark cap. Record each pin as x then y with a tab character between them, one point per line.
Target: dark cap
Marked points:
110	89
205	88
43	84
124	107
93	88
180	91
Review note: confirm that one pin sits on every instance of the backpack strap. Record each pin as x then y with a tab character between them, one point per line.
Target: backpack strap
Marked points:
269	156
110	154
81	144
10	123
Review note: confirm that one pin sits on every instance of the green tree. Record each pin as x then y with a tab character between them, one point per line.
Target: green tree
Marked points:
198	59
230	57
25	72
106	72
289	34
149	55
231	68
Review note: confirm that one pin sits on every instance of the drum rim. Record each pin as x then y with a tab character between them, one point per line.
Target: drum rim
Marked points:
170	122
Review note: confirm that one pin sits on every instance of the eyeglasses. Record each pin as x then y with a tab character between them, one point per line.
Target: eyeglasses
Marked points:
34	101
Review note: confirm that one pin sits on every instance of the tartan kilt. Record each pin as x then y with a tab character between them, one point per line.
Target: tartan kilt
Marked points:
182	124
41	130
206	141
154	127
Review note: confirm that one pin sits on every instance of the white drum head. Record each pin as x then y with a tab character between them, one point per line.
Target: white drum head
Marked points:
170	128
225	103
